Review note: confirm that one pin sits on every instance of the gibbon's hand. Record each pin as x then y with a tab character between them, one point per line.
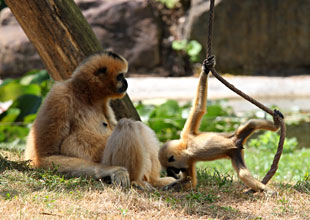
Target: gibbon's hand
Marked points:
208	64
118	176
179	185
277	116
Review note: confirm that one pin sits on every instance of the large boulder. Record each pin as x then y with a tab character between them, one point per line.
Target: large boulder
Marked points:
17	54
126	27
257	36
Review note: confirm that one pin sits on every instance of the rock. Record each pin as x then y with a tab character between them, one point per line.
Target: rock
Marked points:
126	27
17	54
255	37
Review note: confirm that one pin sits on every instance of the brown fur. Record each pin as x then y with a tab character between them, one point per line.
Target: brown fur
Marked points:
75	123
193	146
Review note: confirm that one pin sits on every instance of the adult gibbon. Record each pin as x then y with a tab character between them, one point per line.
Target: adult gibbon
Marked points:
182	155
76	132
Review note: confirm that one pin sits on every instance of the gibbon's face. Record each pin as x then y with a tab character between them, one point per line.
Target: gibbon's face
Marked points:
105	74
171	159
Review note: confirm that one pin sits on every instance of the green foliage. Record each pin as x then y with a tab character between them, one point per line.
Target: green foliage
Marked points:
169	3
191	48
269	140
303	185
214	177
219	118
168	119
201	197
2	5
26	95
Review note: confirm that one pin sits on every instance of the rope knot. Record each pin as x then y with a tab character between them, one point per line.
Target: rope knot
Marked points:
208	64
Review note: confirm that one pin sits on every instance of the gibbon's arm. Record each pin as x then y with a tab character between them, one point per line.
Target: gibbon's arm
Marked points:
200	102
52	125
199	108
109	114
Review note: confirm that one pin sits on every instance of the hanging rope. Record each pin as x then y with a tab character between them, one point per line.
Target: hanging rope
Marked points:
277	116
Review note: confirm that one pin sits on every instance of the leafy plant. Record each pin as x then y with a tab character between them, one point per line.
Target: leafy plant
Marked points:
25	96
191	48
169	3
2	5
269	140
304	184
168	119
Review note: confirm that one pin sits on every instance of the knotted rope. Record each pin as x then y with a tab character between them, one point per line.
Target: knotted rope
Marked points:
277	116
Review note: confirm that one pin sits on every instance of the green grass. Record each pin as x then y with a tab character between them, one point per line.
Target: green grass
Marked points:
42	193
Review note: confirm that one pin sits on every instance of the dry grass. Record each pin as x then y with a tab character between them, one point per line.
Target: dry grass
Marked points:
37	194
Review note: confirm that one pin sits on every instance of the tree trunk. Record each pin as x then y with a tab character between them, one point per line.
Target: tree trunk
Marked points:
63	38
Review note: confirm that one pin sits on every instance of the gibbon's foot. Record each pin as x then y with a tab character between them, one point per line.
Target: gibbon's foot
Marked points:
267	191
143	185
208	64
117	176
277	116
179	185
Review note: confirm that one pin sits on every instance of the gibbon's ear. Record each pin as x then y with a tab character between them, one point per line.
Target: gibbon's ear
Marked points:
171	159
101	71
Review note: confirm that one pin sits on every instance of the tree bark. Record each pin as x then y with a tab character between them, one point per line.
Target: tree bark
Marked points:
63	38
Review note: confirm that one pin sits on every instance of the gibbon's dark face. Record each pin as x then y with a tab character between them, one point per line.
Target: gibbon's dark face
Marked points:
117	85
122	84
171	160
109	70
104	75
175	172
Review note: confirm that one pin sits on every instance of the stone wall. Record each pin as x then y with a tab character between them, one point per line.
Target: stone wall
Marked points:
256	36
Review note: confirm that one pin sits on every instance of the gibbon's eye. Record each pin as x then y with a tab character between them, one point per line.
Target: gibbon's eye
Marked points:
104	124
171	159
120	77
100	71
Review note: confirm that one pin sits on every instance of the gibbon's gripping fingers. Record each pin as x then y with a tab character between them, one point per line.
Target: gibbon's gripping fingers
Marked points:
118	176
143	185
179	185
267	191
277	117
121	178
208	64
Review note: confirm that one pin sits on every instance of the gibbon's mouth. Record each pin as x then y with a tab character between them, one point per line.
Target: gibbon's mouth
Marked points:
173	172
124	86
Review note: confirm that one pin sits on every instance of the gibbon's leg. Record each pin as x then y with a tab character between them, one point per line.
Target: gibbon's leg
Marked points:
139	141
200	102
244	131
79	167
243	173
199	108
151	148
125	148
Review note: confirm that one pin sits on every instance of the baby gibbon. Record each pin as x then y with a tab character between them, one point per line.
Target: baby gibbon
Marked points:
182	155
76	132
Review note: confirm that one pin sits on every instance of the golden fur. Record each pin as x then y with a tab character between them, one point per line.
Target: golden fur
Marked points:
76	123
182	155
